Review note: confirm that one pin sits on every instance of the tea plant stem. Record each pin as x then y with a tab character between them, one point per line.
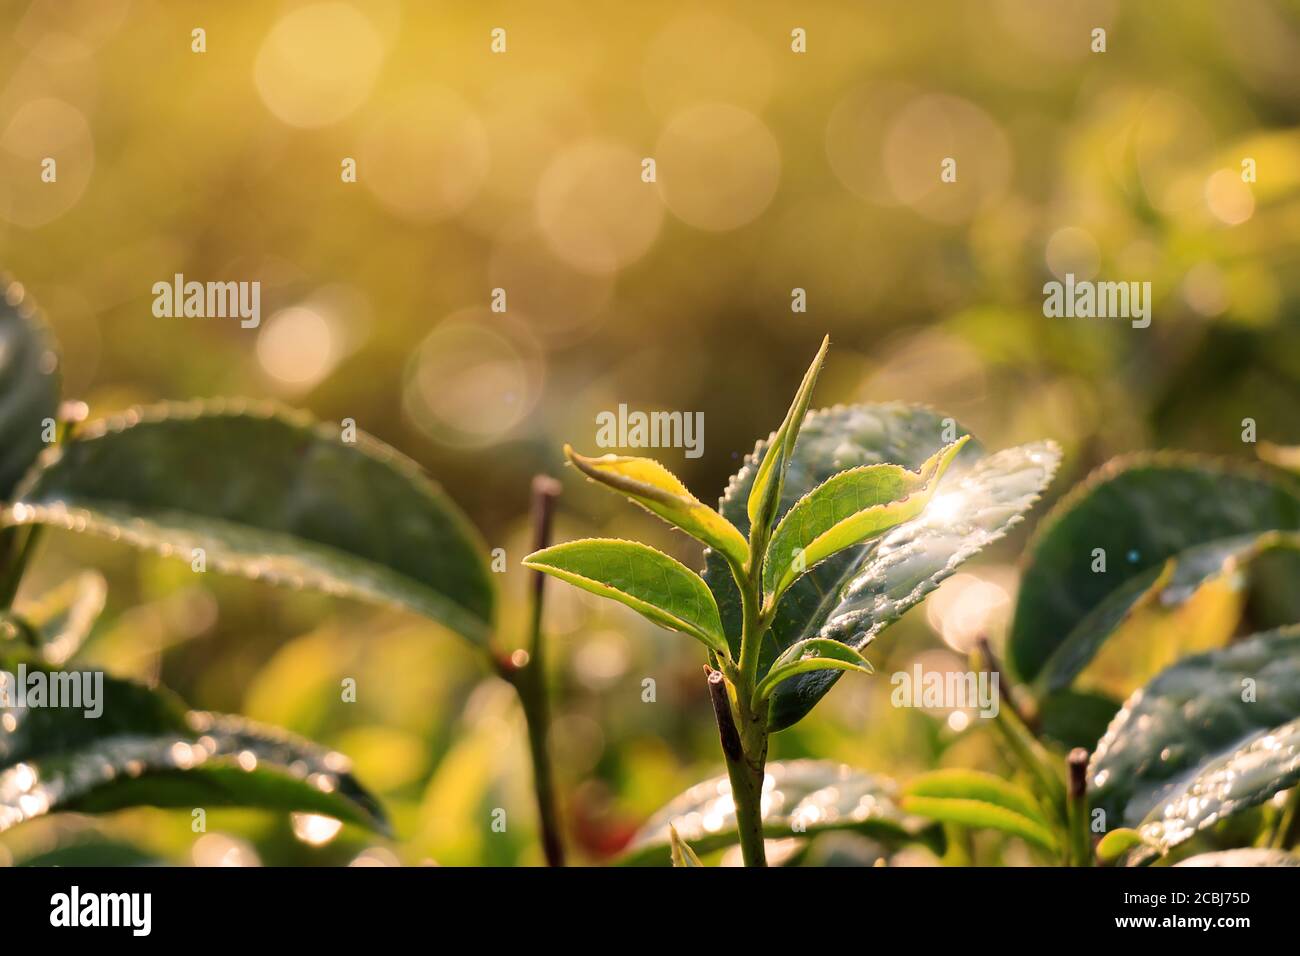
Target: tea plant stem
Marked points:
1081	851
742	730
529	679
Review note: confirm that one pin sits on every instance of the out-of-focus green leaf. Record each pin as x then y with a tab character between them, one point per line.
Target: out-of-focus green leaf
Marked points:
1212	735
61	619
765	492
29	383
1243	857
848	509
1170	584
146	750
1115	844
853	595
1075	719
1140	511
659	491
974	799
682	854
800	798
636	575
270	495
818	653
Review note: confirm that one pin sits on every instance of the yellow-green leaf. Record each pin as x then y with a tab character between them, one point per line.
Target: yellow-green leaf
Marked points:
636	575
659	491
818	653
846	510
765	494
974	799
1116	843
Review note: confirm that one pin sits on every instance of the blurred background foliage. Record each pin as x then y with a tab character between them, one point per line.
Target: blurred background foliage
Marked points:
522	171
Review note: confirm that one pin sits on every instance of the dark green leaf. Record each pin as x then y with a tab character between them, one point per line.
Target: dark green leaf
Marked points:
1170	584
855	594
800	798
270	495
1213	734
1075	719
146	750
29	383
1141	511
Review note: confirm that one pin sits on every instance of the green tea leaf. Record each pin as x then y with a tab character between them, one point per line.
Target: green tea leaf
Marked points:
1139	511
959	784
636	575
682	854
974	799
1117	843
769	477
1170	585
659	491
847	509
145	749
268	494
981	815
853	595
29	383
1213	734
815	654
800	798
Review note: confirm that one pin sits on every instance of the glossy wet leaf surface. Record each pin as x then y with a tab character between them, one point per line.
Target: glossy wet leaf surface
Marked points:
1140	511
29	383
635	575
1187	750
846	510
269	495
800	798
147	750
855	594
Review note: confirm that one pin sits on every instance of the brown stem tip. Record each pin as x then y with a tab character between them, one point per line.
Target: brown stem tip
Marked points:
727	731
1078	761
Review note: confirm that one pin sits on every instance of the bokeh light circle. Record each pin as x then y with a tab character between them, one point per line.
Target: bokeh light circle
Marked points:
40	129
473	379
594	209
318	64
718	166
426	156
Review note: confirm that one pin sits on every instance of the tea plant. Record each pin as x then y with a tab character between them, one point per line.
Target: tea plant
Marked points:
243	488
836	525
